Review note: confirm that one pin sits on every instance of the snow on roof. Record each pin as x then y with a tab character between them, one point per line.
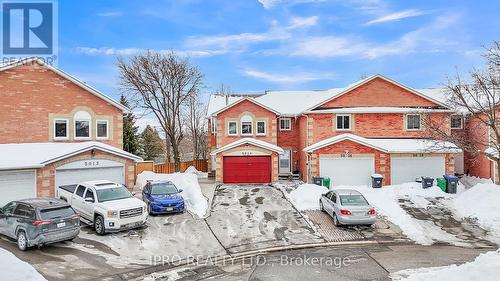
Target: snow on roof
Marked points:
251	141
438	94
37	155
391	145
377	110
71	78
218	102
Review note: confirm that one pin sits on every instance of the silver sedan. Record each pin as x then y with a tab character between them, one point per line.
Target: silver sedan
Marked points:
347	207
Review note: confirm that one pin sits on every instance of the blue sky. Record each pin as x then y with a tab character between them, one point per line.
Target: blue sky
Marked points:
257	45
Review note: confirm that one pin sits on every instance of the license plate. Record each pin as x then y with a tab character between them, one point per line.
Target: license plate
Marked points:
170	209
61	224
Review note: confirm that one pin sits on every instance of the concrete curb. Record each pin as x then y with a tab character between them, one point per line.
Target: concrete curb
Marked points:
140	274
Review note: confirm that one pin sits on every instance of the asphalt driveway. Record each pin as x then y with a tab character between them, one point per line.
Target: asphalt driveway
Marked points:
248	217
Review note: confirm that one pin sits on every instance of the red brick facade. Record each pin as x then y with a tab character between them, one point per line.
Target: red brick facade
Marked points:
33	95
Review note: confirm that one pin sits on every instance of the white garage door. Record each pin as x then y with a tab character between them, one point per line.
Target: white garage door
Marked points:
74	173
15	185
347	171
407	169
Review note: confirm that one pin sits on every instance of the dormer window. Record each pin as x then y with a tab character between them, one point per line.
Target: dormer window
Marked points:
82	125
246	125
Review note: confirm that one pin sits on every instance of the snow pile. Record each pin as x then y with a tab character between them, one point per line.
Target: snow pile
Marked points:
485	267
195	201
472	181
15	269
306	196
480	202
192	170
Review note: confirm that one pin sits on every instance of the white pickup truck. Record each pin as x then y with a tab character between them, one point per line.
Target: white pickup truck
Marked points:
109	206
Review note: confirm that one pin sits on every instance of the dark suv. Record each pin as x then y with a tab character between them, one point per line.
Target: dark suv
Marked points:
39	221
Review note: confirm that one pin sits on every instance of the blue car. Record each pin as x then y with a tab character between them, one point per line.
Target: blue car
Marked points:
162	197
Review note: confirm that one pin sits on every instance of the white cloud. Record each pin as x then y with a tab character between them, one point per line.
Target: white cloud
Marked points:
269	4
301	22
108	51
323	47
398	16
110	14
287	78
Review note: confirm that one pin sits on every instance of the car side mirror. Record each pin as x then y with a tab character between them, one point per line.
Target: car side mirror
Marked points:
181	190
89	200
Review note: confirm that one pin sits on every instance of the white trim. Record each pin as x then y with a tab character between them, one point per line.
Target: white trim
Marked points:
90	129
289	123
257	128
375	110
96	129
56	138
339	138
76	152
244	99
228	127
419	118
368	79
252	141
246	119
461	122
73	79
343	115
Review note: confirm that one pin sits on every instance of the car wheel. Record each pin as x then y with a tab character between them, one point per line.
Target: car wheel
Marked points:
321	206
99	225
22	241
335	220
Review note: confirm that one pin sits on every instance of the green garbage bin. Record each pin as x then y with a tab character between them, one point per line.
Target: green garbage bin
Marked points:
326	182
441	182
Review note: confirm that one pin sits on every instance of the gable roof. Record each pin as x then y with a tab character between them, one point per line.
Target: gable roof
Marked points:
252	141
71	78
361	82
250	99
37	155
391	145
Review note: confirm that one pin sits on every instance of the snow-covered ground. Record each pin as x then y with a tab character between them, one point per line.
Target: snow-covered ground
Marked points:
14	269
479	202
195	202
485	267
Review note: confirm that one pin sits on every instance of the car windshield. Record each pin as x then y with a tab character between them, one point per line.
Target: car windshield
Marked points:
115	193
163	188
353	200
55	213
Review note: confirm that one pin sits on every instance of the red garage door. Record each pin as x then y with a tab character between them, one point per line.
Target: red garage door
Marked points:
247	169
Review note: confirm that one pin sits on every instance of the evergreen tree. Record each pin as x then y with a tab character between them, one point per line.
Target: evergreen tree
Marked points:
130	134
151	144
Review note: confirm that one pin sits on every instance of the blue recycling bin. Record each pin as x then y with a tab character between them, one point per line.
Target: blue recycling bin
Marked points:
451	184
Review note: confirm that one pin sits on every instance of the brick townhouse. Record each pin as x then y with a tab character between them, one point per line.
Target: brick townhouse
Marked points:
56	130
374	125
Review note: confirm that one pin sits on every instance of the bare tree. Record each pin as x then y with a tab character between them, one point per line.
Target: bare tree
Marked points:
196	125
163	83
477	98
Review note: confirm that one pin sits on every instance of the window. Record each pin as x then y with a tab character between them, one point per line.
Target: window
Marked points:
261	127
9	208
89	194
213	122
413	122
82	125
246	125
24	211
343	122
80	190
285	124
60	129
232	128
456	122
102	129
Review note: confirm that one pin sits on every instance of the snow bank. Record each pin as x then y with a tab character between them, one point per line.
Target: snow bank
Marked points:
306	196
14	269
193	170
195	202
480	202
470	181
485	268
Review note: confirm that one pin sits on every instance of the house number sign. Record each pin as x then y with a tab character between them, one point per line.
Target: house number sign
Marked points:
346	154
91	163
246	153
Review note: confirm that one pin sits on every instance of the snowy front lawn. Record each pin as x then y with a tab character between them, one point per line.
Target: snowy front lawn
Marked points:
195	202
14	269
485	267
479	203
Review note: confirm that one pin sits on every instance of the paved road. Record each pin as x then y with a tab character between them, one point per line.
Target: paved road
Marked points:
374	262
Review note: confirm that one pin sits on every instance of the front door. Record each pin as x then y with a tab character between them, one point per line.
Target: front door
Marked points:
286	162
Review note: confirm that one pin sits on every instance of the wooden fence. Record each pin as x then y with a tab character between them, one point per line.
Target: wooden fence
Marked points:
168	168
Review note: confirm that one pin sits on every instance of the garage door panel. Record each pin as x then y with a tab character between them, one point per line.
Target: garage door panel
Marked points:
74	176
407	169
15	185
247	169
347	171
